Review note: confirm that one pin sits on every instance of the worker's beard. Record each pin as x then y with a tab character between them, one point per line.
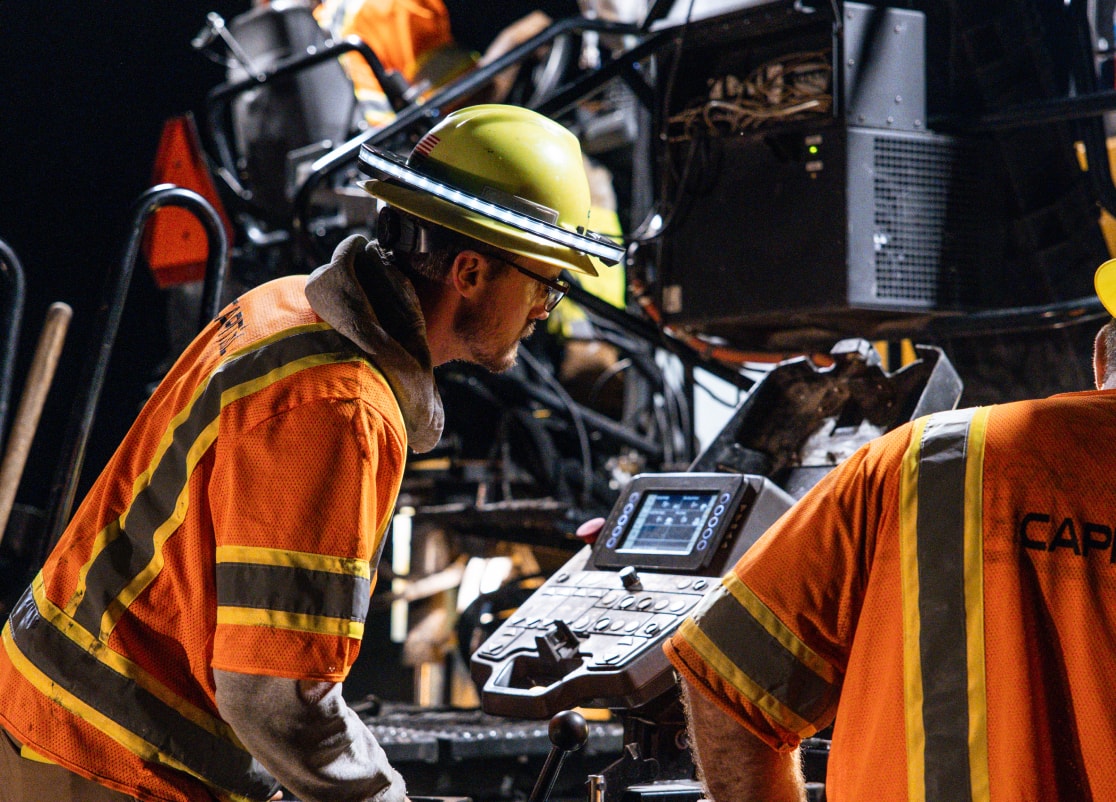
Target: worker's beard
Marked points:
486	345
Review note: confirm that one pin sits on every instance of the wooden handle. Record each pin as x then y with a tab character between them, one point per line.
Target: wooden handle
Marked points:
26	420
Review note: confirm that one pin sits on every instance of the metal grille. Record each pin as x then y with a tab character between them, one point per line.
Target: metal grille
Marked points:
921	196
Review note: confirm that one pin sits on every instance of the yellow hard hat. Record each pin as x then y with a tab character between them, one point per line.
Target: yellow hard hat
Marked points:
1104	280
503	175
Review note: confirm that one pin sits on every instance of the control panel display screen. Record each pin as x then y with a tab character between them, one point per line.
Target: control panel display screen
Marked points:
668	523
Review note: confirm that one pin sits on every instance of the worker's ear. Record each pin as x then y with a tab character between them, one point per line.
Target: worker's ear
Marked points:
1100	357
468	273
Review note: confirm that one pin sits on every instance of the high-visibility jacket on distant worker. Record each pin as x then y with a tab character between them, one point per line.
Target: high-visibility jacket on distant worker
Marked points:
949	595
237	527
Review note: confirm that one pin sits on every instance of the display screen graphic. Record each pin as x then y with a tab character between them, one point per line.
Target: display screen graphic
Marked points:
668	523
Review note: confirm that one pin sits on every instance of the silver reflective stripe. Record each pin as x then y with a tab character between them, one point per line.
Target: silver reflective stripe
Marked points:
137	715
759	651
941	606
293	590
941	558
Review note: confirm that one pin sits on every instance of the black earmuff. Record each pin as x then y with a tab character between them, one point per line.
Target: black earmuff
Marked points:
396	231
388	228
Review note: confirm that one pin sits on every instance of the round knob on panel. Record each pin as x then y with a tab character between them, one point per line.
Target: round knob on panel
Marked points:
630	578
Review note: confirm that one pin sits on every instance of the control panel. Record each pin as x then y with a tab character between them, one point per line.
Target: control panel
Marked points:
593	633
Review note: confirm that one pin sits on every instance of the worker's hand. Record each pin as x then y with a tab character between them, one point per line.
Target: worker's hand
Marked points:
589	530
511	37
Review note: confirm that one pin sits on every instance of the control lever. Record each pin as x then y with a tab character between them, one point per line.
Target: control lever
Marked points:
557	646
568	732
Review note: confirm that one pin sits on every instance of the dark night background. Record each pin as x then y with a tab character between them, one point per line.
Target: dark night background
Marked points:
85	90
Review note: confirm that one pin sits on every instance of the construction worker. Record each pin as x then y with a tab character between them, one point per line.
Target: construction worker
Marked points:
188	636
945	598
414	38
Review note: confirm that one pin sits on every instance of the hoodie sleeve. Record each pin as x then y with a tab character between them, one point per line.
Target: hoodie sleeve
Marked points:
308	738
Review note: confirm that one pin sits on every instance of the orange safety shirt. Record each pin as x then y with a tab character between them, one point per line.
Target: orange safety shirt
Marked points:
399	32
949	595
237	527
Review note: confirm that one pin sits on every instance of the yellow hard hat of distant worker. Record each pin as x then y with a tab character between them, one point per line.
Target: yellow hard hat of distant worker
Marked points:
1104	280
503	175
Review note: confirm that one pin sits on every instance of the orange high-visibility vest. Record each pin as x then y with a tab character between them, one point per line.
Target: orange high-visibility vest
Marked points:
947	598
236	528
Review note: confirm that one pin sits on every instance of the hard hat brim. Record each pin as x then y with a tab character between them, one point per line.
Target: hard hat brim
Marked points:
478	226
1104	281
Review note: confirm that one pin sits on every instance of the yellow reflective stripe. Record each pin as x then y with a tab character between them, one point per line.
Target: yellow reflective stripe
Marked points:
770	622
197	450
165	442
742	682
239	391
908	577
118	606
122	665
56	693
282	334
27	753
105	537
299	622
86	712
258	555
974	606
112	530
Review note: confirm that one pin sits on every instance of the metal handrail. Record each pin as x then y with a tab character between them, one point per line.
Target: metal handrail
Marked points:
11	271
106	325
394	85
432	108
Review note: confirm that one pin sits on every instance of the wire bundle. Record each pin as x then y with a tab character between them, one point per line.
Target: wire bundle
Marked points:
788	88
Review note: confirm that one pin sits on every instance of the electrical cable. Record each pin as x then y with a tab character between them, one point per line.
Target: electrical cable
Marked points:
606	375
664	429
685	426
575	415
640	234
791	87
722	401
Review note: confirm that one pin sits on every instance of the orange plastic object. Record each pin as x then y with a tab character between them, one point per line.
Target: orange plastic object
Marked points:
174	243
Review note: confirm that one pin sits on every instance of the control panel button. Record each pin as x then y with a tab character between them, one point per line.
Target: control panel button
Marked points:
609	599
630	578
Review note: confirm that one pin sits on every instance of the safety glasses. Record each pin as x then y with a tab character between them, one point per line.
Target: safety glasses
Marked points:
556	288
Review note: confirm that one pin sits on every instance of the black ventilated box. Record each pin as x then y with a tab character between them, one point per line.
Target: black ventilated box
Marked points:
834	221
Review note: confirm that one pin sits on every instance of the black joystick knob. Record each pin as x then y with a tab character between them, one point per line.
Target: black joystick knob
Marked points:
568	732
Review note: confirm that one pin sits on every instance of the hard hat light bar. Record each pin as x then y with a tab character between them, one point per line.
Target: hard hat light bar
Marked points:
395	168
